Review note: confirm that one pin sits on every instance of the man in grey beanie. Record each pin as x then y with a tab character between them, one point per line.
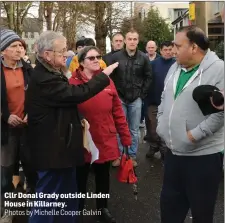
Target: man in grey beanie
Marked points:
7	37
15	74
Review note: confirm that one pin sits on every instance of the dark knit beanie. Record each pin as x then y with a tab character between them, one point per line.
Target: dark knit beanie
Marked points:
7	37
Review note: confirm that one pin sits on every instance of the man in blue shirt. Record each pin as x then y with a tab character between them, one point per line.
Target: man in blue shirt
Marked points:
160	67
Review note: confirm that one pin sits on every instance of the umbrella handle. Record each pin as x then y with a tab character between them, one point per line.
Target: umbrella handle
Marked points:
125	151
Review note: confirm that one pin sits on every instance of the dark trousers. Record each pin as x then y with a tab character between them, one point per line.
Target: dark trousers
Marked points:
147	120
190	182
102	176
156	144
11	154
59	181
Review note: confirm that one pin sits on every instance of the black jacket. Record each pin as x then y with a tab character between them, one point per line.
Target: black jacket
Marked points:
108	57
54	128
27	72
133	76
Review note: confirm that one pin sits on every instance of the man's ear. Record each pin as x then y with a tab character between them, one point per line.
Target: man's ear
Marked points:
194	48
46	55
3	53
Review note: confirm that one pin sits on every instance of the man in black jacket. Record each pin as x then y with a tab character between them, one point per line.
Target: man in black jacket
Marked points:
55	129
117	44
15	74
132	79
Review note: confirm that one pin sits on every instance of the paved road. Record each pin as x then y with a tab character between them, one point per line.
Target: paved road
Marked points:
146	209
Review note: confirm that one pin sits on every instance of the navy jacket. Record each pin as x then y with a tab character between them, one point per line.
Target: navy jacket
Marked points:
160	67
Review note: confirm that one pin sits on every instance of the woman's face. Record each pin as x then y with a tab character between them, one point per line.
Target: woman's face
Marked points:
91	61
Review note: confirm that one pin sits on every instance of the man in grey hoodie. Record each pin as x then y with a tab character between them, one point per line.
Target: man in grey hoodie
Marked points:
193	163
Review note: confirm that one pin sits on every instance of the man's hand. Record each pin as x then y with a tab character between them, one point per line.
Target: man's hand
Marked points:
108	70
14	120
190	137
84	123
218	107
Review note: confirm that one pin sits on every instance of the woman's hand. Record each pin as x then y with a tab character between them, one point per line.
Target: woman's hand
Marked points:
84	123
108	70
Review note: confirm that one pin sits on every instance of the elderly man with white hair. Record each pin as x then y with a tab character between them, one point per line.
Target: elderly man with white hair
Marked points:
55	129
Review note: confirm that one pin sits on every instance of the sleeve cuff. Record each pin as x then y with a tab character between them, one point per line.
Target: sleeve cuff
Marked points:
198	134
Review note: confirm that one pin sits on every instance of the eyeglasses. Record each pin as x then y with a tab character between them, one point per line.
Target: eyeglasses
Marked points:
92	58
61	52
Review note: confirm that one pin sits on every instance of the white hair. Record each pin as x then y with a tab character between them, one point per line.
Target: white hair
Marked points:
46	41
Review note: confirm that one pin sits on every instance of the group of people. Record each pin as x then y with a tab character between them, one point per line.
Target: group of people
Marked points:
45	110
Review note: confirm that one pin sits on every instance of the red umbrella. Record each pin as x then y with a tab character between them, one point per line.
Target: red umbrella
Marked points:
126	173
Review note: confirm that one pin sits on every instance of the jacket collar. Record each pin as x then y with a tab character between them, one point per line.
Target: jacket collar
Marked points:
19	64
134	56
47	66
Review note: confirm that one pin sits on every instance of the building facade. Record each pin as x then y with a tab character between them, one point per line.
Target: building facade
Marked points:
209	17
31	31
168	10
181	20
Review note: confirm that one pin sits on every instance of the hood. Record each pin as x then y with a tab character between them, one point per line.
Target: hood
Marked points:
79	74
208	60
19	63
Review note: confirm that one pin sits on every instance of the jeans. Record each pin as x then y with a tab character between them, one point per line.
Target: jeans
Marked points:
133	114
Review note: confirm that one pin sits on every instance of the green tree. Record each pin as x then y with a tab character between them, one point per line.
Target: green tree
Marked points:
153	27
156	28
16	12
220	50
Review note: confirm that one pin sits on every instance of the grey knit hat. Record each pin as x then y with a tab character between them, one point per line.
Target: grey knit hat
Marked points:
7	37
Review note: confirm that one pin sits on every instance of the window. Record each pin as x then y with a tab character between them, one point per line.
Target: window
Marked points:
217	6
144	13
139	15
26	34
170	14
216	30
32	35
181	23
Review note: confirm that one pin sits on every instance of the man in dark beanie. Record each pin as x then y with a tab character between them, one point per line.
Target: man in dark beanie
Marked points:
15	75
79	45
194	161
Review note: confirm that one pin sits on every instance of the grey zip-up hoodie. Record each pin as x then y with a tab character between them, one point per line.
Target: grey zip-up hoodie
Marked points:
177	116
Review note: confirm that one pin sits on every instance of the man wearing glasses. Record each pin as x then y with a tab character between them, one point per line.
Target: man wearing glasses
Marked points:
55	131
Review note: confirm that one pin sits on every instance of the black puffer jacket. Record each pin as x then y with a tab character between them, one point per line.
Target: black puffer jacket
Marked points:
133	76
108	57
